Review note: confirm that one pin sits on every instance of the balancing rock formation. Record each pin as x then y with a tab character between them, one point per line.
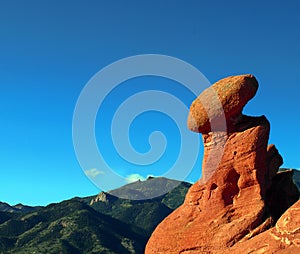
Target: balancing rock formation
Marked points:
242	204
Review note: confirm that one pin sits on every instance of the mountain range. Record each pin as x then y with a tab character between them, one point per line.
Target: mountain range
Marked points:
97	224
103	223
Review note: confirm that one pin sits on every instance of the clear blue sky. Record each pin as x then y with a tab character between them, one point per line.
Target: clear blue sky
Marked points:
50	49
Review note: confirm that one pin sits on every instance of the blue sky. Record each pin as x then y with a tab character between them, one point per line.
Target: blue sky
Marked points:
49	50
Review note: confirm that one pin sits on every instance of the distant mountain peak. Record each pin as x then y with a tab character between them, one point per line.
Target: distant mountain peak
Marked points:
152	187
4	207
103	197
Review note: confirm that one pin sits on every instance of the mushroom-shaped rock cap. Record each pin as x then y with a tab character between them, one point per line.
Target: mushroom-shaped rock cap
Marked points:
220	103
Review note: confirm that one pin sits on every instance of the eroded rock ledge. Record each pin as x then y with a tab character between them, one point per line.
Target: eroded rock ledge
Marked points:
241	204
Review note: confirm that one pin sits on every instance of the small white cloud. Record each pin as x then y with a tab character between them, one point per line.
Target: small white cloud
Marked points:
93	172
134	177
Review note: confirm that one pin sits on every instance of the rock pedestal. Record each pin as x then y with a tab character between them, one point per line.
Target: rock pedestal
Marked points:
235	201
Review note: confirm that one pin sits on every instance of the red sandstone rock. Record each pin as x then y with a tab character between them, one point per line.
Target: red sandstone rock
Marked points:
274	160
281	194
283	238
235	201
227	207
227	96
